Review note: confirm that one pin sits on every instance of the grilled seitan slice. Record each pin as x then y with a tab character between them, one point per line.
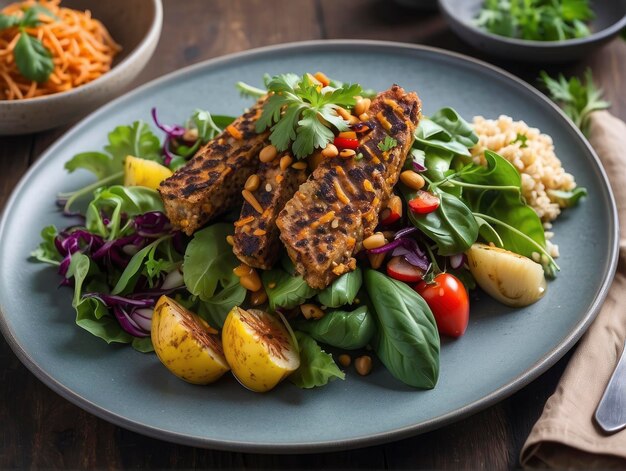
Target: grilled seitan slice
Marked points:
325	222
256	236
211	182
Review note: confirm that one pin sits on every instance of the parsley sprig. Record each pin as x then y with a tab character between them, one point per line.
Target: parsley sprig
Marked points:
32	58
577	98
539	20
302	114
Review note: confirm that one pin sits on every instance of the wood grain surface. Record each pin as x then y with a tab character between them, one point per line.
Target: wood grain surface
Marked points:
39	429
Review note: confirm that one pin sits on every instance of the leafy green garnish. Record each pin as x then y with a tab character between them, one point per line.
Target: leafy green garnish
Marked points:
32	58
577	98
343	290
387	144
538	20
284	290
302	115
47	252
317	368
521	138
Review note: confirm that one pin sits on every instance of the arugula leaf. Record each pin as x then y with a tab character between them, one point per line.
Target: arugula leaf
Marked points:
47	252
294	109
387	144
317	368
284	290
91	313
32	58
209	261
577	98
127	279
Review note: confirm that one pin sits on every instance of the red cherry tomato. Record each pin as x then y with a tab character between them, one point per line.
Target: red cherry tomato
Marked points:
448	299
346	143
402	270
424	202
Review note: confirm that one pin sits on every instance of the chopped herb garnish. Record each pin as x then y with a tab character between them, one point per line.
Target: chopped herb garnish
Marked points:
521	138
387	144
302	114
359	156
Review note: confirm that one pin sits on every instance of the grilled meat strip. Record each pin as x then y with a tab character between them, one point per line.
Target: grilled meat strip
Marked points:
256	236
211	182
325	222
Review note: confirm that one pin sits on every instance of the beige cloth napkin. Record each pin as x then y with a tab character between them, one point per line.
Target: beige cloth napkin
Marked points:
566	436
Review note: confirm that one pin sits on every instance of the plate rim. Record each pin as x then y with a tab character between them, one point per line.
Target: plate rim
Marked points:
535	370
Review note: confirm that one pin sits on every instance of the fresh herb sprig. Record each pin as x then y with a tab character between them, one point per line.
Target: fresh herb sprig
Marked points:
303	114
32	58
539	20
577	98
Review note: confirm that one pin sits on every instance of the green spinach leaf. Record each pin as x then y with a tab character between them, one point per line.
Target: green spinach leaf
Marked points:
406	340
343	290
349	330
284	290
317	368
215	309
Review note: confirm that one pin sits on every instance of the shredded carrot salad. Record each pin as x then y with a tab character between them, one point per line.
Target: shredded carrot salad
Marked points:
81	48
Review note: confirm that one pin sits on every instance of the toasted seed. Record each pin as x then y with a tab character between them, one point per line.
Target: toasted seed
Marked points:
367	185
278	179
374	241
251	282
258	297
363	365
345	114
347	153
191	135
344	360
250	198
230	240
412	179
376	260
335	223
285	162
268	187
252	183
268	153
364	117
242	270
311	311
330	151
300	165
362	106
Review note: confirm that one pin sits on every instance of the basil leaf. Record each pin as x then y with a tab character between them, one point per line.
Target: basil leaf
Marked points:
499	172
215	309
33	60
287	291
91	314
47	252
343	290
317	368
437	163
406	341
209	261
349	330
460	130
451	226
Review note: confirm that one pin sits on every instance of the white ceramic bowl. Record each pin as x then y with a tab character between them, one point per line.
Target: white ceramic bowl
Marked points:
135	25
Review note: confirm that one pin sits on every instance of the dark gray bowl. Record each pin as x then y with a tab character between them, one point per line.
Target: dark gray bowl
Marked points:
610	19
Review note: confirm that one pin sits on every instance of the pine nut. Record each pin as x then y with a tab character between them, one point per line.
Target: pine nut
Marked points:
258	297
364	117
249	197
285	162
251	282
412	179
352	120
242	270
268	153
374	241
362	106
330	151
344	360
345	114
301	165
335	223
230	240
191	135
347	153
252	183
268	188
311	311
376	260
363	365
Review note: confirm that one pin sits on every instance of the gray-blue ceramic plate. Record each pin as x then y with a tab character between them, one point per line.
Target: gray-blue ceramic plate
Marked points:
502	350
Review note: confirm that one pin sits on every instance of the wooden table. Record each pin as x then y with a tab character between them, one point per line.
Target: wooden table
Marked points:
40	429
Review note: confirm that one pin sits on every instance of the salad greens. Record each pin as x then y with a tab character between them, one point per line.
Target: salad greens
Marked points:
537	20
343	290
349	330
577	98
284	290
32	58
317	367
